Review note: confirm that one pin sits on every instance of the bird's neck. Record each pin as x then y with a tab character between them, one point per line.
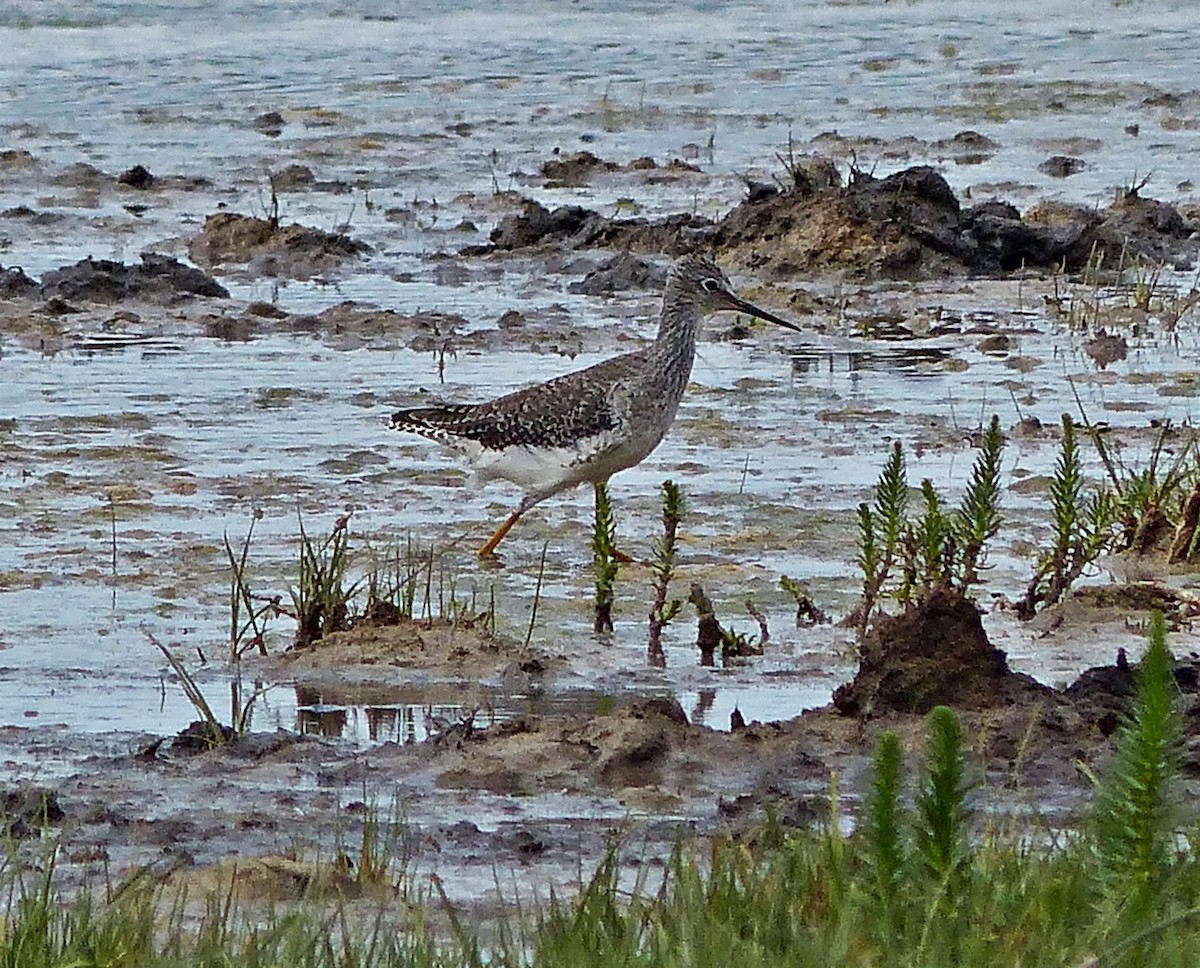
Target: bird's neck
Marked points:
675	346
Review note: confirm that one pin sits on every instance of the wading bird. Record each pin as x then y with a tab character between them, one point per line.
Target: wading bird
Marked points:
585	426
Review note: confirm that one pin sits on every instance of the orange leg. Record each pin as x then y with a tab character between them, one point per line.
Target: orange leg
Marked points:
489	549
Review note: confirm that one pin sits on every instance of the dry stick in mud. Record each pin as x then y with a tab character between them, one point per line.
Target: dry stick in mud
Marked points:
708	629
710	636
537	594
764	635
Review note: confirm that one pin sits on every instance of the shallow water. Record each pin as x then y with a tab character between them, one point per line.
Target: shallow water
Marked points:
776	445
188	443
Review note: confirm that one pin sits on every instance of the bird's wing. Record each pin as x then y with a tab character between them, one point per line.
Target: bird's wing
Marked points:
558	413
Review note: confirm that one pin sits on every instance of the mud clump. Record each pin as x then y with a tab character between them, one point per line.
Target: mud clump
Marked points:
1102	693
581	228
270	249
933	653
26	810
1139	597
158	279
14	282
911	225
138	177
462	647
578	169
574	170
908	225
621	273
634	746
1062	166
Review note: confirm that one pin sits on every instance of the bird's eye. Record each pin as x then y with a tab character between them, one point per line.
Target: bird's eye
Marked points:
710	285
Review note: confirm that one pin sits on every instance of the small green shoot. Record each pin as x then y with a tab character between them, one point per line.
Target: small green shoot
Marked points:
880	531
241	598
663	568
807	612
942	844
886	851
604	559
942	549
1083	529
1136	796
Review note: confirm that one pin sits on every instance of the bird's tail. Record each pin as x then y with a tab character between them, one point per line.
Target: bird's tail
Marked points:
429	420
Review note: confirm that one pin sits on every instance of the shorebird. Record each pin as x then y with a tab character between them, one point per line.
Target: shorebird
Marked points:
585	426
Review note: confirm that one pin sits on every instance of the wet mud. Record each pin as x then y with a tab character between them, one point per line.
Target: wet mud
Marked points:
529	791
270	249
933	653
157	279
907	225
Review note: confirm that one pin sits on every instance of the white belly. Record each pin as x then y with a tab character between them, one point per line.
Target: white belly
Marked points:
551	469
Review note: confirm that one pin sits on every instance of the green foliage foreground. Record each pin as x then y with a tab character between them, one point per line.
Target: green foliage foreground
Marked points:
923	880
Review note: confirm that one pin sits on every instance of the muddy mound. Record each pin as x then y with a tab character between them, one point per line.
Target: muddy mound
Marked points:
933	653
1103	693
438	645
621	273
14	282
908	225
158	279
905	223
581	228
911	225
572	171
270	249
648	746
27	810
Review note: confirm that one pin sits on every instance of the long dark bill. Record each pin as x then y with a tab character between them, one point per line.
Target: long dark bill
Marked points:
740	305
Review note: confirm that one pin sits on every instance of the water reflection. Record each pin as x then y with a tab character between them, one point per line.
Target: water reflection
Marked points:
327	721
375	722
914	360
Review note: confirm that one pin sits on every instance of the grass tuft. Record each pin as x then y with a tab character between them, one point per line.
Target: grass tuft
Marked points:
321	600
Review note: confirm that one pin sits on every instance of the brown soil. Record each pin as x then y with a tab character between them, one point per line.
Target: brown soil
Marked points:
572	171
158	279
909	225
933	653
640	756
451	647
271	249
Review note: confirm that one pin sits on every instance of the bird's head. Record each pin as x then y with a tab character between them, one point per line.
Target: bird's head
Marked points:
707	285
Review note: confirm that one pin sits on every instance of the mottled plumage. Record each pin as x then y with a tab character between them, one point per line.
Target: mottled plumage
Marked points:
585	426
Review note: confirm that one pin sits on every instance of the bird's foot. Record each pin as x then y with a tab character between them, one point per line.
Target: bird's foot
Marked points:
490	562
